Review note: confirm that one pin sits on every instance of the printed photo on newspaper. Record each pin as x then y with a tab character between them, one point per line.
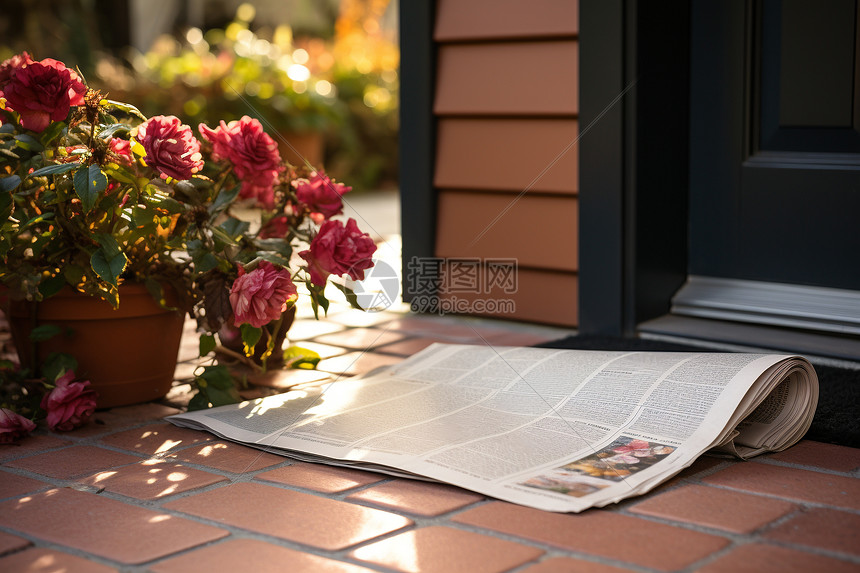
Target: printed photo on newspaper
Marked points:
560	430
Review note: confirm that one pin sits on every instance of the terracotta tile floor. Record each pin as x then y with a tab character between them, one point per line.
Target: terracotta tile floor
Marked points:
132	493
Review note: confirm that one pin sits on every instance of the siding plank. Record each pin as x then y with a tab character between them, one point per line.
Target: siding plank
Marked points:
539	231
508	154
541	296
489	19
526	78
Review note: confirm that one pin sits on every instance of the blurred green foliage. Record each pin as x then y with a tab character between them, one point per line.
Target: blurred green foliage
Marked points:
344	88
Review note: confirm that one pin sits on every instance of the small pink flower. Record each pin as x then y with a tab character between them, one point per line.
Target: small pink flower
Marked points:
262	295
121	148
171	148
623	459
322	196
42	92
254	155
339	249
70	404
632	446
13	426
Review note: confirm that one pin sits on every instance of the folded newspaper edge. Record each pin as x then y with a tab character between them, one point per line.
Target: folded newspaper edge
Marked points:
559	430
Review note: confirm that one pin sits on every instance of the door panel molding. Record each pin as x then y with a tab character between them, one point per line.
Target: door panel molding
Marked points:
779	304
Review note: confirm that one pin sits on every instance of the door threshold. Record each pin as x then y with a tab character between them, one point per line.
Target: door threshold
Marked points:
837	350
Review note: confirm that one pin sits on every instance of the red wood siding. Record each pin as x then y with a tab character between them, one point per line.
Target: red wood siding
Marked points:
542	296
507	154
506	159
491	19
528	228
534	78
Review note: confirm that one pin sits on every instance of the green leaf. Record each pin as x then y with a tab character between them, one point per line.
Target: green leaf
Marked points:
280	246
42	240
55	169
300	358
73	274
108	270
89	183
218	397
5	242
109	261
106	118
126	107
56	364
224	237
109	244
318	299
111	130
275	259
235	227
250	337
200	401
143	220
50	287
38	219
204	261
215	388
166	203
44	332
7	204
120	174
350	296
270	347
52	132
223	200
111	295
157	292
217	377
207	344
9	183
28	142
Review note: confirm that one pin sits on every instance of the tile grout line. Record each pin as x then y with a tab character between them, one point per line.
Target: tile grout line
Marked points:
342	495
418	522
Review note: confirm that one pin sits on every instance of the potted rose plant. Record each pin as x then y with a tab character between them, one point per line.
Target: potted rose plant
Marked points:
102	209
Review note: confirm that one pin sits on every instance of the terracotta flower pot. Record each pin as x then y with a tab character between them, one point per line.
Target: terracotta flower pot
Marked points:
129	354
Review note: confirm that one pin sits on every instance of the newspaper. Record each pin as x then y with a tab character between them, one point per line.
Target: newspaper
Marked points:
559	430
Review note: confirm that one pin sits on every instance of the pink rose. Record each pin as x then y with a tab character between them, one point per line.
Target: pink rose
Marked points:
254	155
260	296
42	92
13	426
10	66
339	249
121	148
321	195
70	404
171	148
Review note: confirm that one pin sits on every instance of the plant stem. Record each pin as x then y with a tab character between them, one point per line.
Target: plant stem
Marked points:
240	357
